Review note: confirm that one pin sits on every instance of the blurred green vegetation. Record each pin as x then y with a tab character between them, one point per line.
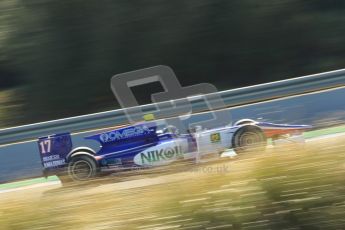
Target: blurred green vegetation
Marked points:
11	105
58	56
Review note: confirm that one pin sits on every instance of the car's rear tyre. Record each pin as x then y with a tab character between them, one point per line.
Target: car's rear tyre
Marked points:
82	168
249	138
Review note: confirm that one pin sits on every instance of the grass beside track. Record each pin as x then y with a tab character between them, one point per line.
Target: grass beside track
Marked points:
283	188
323	132
30	182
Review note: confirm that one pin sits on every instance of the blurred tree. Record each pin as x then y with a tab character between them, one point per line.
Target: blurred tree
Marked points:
67	51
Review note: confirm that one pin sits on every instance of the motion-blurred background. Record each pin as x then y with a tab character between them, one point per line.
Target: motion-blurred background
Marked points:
57	57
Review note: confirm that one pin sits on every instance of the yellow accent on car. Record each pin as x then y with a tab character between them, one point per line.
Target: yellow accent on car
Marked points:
149	117
215	137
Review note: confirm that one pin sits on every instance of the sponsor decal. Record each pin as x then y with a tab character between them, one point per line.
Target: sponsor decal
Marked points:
51	158
215	137
159	156
123	134
52	161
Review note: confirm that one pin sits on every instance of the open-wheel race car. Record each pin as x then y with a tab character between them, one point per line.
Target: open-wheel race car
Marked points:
147	145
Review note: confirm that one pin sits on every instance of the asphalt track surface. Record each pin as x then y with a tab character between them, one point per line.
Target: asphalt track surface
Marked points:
135	183
21	160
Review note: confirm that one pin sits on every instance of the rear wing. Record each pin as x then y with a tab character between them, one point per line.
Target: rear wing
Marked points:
54	149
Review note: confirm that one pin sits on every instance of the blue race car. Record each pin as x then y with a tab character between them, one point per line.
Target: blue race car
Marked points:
146	145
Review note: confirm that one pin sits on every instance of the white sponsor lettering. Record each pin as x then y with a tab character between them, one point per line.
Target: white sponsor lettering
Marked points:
126	133
54	163
159	155
51	158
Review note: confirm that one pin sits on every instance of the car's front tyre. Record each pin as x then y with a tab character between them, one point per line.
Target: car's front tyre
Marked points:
249	138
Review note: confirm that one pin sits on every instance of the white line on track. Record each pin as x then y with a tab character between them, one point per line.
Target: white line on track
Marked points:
50	183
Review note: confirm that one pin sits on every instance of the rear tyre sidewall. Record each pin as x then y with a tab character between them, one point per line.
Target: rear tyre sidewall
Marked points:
249	139
82	168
